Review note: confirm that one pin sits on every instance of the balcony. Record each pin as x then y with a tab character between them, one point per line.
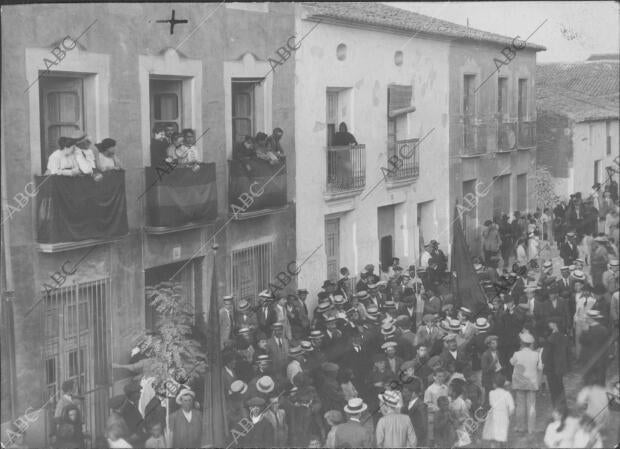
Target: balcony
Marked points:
507	136
346	170
77	211
256	188
475	136
403	161
180	197
527	135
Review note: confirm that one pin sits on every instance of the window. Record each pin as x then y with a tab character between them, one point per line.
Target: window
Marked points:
597	171
251	271
246	112
332	247
62	111
522	192
469	105
522	105
336	111
186	274
166	103
502	97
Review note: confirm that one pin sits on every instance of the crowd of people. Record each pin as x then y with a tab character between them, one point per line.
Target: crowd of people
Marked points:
261	147
394	359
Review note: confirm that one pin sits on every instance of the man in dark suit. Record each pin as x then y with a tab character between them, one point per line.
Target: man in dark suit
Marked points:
353	433
558	307
265	314
564	283
454	360
407	307
407	339
416	409
132	416
555	361
277	347
568	249
227	322
594	345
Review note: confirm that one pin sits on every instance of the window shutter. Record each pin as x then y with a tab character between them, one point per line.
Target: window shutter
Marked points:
399	97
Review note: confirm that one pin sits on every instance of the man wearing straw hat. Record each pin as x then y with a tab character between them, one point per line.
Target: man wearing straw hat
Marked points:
186	422
353	433
394	429
526	364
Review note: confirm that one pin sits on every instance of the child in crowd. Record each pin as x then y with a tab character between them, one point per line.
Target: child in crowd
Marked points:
444	428
502	406
434	391
157	439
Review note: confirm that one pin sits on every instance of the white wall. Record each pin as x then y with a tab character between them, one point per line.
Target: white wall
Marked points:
368	69
589	145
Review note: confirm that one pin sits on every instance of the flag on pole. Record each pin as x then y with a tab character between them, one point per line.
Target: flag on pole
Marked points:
465	285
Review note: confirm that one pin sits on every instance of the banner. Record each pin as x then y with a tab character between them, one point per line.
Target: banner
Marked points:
179	195
271	179
465	284
75	208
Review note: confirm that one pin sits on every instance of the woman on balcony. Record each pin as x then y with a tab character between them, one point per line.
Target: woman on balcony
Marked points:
263	151
63	161
343	136
106	157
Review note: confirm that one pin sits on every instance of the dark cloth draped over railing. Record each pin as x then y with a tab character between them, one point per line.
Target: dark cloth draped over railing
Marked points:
262	177
346	168
71	209
181	196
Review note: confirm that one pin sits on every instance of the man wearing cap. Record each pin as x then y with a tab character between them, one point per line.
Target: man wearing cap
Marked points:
595	344
555	361
278	347
227	322
265	314
393	362
559	308
568	249
394	429
370	273
329	288
408	307
353	433
525	383
452	358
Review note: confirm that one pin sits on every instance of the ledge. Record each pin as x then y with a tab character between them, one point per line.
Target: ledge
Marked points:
331	196
51	248
401	182
526	148
259	213
471	156
160	230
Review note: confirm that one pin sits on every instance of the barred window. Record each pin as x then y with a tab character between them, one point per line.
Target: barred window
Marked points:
251	271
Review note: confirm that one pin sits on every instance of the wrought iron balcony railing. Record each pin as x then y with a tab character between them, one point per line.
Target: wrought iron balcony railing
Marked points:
346	168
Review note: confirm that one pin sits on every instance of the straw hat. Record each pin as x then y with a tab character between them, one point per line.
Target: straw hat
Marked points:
265	384
185	392
355	406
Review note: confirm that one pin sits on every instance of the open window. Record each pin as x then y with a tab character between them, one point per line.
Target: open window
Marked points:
247	108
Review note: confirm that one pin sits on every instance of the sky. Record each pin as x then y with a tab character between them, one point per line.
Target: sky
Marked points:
573	30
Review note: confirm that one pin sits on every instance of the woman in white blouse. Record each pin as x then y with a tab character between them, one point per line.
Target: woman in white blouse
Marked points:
106	157
63	161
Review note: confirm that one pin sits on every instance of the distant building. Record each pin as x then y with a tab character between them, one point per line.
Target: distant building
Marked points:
578	122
